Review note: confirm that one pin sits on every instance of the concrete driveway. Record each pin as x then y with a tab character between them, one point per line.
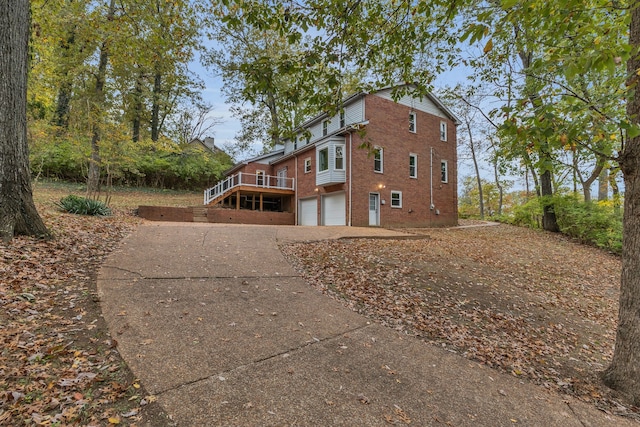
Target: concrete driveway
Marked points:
218	326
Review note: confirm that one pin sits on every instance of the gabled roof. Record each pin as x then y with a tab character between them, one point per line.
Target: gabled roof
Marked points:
276	153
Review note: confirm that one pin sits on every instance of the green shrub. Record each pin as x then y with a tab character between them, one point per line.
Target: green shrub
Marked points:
83	206
592	222
527	215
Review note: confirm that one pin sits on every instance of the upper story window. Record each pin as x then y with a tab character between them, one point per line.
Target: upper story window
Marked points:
412	122
378	159
443	131
307	165
325	127
308	140
342	120
444	171
413	165
295	143
323	159
339	152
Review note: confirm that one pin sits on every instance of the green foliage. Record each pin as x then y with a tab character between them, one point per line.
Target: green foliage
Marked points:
593	223
528	214
83	206
65	156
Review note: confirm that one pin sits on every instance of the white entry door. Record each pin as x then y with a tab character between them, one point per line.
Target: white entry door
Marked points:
374	209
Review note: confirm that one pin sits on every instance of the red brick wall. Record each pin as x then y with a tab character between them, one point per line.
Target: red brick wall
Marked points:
389	128
165	213
216	215
232	216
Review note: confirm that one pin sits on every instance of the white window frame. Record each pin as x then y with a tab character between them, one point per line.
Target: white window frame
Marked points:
413	122
378	150
320	162
342	119
307	165
415	165
260	175
443	131
444	171
397	205
338	148
325	127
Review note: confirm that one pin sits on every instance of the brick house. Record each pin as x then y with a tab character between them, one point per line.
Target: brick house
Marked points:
378	162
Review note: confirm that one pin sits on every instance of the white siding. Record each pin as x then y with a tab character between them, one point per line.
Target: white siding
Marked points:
354	112
424	104
331	175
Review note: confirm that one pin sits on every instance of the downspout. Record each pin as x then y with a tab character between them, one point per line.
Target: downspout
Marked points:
350	174
295	189
431	205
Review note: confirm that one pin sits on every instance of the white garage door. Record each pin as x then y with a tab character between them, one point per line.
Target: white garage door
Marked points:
308	212
334	209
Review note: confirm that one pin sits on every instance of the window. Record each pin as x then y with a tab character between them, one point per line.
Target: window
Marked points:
412	122
396	199
444	171
282	178
323	159
443	131
260	178
295	143
308	139
307	165
339	157
342	121
325	126
413	165
377	159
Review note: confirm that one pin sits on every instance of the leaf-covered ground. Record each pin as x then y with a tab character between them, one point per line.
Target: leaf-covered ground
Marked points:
535	305
58	364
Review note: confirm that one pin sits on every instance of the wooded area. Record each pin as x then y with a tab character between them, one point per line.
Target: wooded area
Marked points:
555	84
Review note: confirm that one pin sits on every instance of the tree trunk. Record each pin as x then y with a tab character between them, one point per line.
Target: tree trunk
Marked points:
549	220
155	108
93	180
595	174
623	374
274	129
603	185
64	91
18	214
475	165
499	185
137	109
615	191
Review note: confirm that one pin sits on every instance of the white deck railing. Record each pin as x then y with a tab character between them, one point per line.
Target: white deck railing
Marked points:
247	180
